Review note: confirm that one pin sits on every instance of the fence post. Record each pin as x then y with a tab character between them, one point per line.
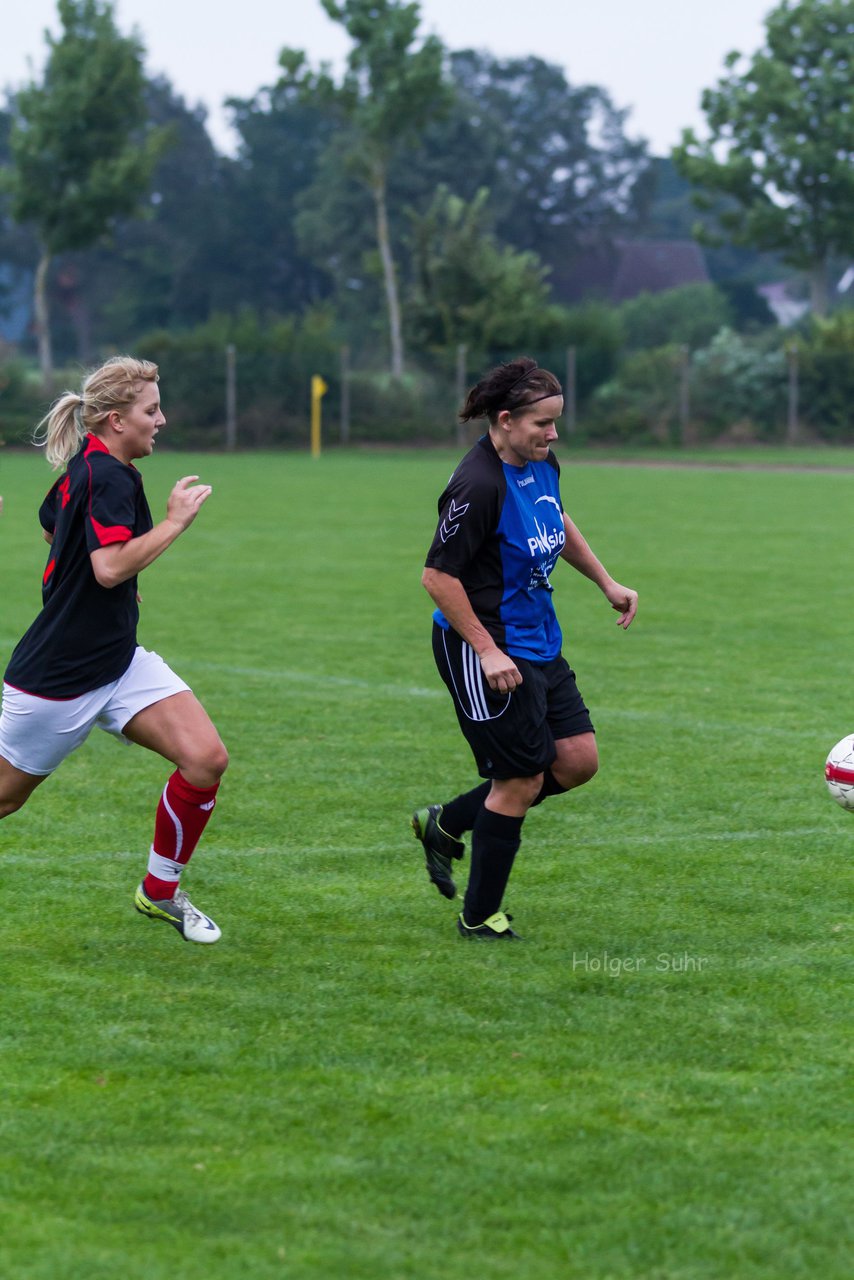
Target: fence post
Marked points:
230	397
792	419
686	433
569	394
345	395
460	389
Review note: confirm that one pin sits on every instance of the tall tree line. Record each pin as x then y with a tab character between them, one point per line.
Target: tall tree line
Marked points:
324	201
421	196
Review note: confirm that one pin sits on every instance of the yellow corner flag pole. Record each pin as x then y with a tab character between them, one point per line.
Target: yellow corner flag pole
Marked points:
318	391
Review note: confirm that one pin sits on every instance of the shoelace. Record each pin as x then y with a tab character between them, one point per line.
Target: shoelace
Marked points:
183	902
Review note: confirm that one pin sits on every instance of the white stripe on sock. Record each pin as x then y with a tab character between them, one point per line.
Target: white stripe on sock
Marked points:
179	830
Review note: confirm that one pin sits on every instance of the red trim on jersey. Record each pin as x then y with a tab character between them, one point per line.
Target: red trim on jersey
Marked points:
107	534
48	571
835	773
41	696
94	444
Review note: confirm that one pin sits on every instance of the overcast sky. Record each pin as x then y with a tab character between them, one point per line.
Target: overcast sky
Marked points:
653	56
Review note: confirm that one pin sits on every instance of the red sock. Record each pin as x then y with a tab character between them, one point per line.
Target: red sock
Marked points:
182	816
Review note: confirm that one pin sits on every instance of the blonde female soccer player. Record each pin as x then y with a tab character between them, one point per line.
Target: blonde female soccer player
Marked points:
79	665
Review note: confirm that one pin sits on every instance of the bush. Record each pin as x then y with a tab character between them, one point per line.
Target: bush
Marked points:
275	360
690	315
641	404
414	409
23	403
738	386
826	360
596	332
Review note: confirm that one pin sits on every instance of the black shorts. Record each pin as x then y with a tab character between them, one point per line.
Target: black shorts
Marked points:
512	735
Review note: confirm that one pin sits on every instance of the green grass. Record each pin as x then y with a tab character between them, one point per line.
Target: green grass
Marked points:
745	455
341	1088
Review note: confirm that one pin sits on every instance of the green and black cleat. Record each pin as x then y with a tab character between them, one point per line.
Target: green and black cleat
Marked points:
439	848
495	929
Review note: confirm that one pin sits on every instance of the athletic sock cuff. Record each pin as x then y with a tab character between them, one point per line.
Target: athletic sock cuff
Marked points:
185	790
499	826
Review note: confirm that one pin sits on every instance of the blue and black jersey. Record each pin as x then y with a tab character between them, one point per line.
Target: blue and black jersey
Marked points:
85	635
500	533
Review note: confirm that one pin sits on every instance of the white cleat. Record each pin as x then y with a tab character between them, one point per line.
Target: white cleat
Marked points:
192	924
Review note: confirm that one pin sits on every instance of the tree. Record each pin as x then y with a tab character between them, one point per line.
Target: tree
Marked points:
781	140
17	248
554	155
390	89
284	132
171	267
81	155
554	158
469	288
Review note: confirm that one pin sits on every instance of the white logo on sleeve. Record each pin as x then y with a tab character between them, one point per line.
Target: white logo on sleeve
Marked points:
450	524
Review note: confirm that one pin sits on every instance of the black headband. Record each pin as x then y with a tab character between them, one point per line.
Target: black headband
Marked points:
547	396
521	378
537	399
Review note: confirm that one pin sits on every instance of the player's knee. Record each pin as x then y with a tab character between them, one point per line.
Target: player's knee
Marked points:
206	765
586	771
517	794
574	773
529	788
217	760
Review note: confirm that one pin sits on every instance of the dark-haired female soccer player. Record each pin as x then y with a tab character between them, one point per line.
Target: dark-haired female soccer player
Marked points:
79	664
497	642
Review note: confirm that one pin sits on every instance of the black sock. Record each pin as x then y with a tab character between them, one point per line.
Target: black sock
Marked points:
550	787
494	842
459	815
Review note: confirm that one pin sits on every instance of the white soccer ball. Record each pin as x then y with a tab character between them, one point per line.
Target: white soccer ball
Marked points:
839	773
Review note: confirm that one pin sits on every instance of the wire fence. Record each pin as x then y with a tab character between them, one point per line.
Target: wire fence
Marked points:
230	397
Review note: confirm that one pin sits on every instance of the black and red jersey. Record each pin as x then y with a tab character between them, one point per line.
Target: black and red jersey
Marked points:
85	635
500	533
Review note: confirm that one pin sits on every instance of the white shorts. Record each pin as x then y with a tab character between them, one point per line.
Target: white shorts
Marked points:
36	734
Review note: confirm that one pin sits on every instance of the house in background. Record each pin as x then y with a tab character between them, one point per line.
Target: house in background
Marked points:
618	270
786	308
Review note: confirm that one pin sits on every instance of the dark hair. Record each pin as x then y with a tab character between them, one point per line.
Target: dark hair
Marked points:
510	386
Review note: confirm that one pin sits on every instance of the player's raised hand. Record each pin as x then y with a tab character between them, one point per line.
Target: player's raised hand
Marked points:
185	500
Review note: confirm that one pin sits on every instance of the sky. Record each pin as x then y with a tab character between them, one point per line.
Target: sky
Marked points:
653	56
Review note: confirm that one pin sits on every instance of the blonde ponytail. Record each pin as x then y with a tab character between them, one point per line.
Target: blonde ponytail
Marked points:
60	430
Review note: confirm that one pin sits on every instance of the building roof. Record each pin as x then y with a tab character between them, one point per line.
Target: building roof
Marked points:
651	266
621	269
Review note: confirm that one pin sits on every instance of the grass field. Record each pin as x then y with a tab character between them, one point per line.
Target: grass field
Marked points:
653	1087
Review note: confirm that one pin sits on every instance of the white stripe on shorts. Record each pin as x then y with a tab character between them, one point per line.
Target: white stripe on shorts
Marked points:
473	678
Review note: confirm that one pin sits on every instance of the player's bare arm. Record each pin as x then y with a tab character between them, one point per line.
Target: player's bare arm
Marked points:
577	552
120	561
449	594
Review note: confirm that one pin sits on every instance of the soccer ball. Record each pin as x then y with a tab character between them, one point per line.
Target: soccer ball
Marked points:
839	773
